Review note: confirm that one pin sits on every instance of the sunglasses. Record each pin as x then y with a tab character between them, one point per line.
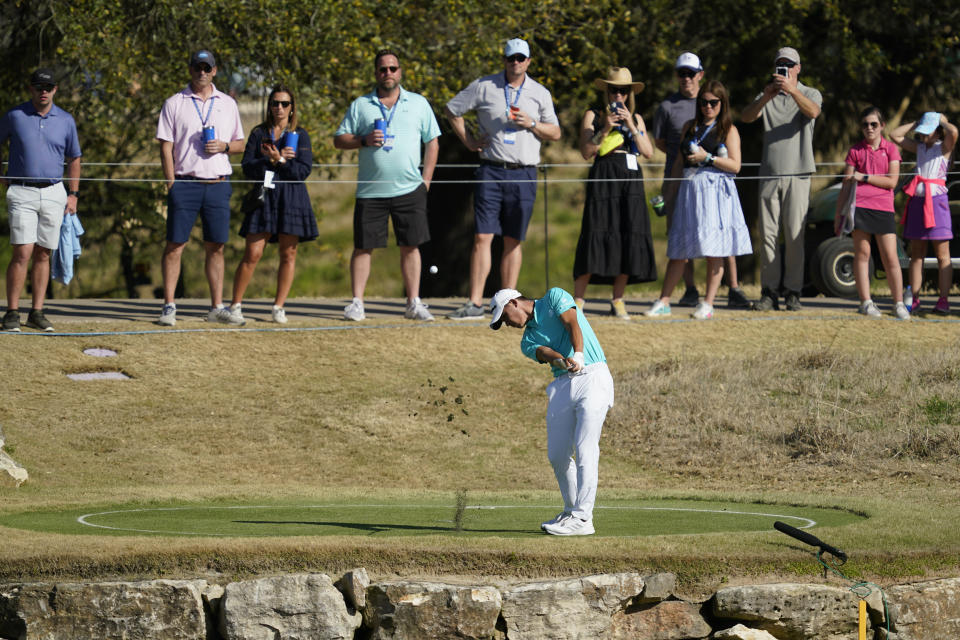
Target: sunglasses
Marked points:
45	87
280	103
386	69
622	91
202	68
517	57
687	73
789	64
870	125
709	103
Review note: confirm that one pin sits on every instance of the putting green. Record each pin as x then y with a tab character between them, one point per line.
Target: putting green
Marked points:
518	518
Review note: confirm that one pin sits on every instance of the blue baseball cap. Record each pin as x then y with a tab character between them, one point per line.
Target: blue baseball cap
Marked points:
516	46
203	57
928	123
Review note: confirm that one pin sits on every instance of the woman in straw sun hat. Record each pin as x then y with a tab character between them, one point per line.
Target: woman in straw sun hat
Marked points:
615	245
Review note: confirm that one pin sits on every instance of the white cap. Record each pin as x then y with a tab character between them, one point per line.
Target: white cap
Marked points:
688	60
516	46
498	302
928	123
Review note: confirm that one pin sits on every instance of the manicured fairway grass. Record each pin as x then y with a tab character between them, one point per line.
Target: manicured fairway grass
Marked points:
493	518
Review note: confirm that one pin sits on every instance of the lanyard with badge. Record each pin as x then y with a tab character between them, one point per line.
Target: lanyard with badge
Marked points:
196	105
388	137
510	133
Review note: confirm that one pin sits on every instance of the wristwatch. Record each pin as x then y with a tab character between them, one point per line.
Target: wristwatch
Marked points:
866	178
73	193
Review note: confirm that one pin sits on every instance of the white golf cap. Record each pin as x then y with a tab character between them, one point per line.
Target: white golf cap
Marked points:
688	60
498	302
516	46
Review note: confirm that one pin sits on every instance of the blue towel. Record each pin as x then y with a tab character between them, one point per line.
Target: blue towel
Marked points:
69	249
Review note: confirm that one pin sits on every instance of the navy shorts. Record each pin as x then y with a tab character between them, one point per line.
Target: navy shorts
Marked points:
409	215
501	205
188	198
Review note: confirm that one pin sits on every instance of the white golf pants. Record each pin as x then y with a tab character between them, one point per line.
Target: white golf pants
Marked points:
577	406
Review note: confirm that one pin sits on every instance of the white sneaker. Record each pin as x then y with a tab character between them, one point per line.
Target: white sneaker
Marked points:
570	526
416	310
168	316
901	311
278	315
869	308
236	315
557	518
354	311
704	311
219	314
658	310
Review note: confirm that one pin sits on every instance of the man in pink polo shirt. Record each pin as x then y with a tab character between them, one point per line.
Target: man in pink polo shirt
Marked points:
198	130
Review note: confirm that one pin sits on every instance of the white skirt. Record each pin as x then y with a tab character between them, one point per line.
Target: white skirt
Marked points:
707	218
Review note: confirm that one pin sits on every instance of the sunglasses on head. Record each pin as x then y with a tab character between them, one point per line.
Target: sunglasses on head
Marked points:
870	124
709	103
386	69
204	67
517	57
280	103
687	73
622	91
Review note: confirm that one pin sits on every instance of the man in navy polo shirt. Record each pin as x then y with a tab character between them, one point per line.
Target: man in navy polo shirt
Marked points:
515	113
198	130
42	136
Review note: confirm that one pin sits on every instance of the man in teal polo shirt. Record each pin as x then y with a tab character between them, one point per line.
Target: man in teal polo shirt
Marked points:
389	182
556	332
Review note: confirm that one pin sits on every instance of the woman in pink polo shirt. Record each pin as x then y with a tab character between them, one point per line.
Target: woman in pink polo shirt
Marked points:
928	211
873	165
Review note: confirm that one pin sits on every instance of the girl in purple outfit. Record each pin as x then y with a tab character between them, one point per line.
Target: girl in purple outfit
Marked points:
927	217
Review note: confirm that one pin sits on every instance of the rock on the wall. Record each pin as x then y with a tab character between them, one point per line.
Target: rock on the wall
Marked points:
158	609
669	620
424	610
740	632
791	611
354	585
295	607
927	609
568	609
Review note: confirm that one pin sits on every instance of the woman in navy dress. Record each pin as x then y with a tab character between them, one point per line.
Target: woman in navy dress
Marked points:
283	213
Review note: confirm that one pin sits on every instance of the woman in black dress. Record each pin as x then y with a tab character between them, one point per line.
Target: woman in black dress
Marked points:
281	213
615	245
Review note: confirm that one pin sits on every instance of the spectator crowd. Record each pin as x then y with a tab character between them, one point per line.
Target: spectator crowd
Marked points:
396	135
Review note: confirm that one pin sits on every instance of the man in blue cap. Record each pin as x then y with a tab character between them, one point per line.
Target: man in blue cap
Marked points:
515	114
42	136
555	332
199	128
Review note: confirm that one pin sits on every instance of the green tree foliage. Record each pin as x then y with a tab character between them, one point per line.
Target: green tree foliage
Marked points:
121	58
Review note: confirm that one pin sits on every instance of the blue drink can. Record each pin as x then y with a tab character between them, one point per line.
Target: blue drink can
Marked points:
380	125
209	134
290	139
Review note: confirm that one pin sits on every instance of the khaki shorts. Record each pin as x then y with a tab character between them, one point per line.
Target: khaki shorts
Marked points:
36	214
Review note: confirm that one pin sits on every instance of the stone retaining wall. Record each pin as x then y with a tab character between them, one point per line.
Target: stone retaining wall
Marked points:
617	606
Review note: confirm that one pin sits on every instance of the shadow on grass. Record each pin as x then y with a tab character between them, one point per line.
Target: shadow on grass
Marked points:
382	528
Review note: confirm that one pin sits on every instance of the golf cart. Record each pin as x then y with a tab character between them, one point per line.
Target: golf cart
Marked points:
830	258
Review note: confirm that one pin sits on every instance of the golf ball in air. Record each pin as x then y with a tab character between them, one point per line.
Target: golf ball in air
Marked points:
433	268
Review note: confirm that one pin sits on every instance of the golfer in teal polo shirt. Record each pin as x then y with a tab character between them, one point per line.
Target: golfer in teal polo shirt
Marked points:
555	332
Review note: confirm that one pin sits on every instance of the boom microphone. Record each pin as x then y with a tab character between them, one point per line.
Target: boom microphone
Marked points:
809	539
